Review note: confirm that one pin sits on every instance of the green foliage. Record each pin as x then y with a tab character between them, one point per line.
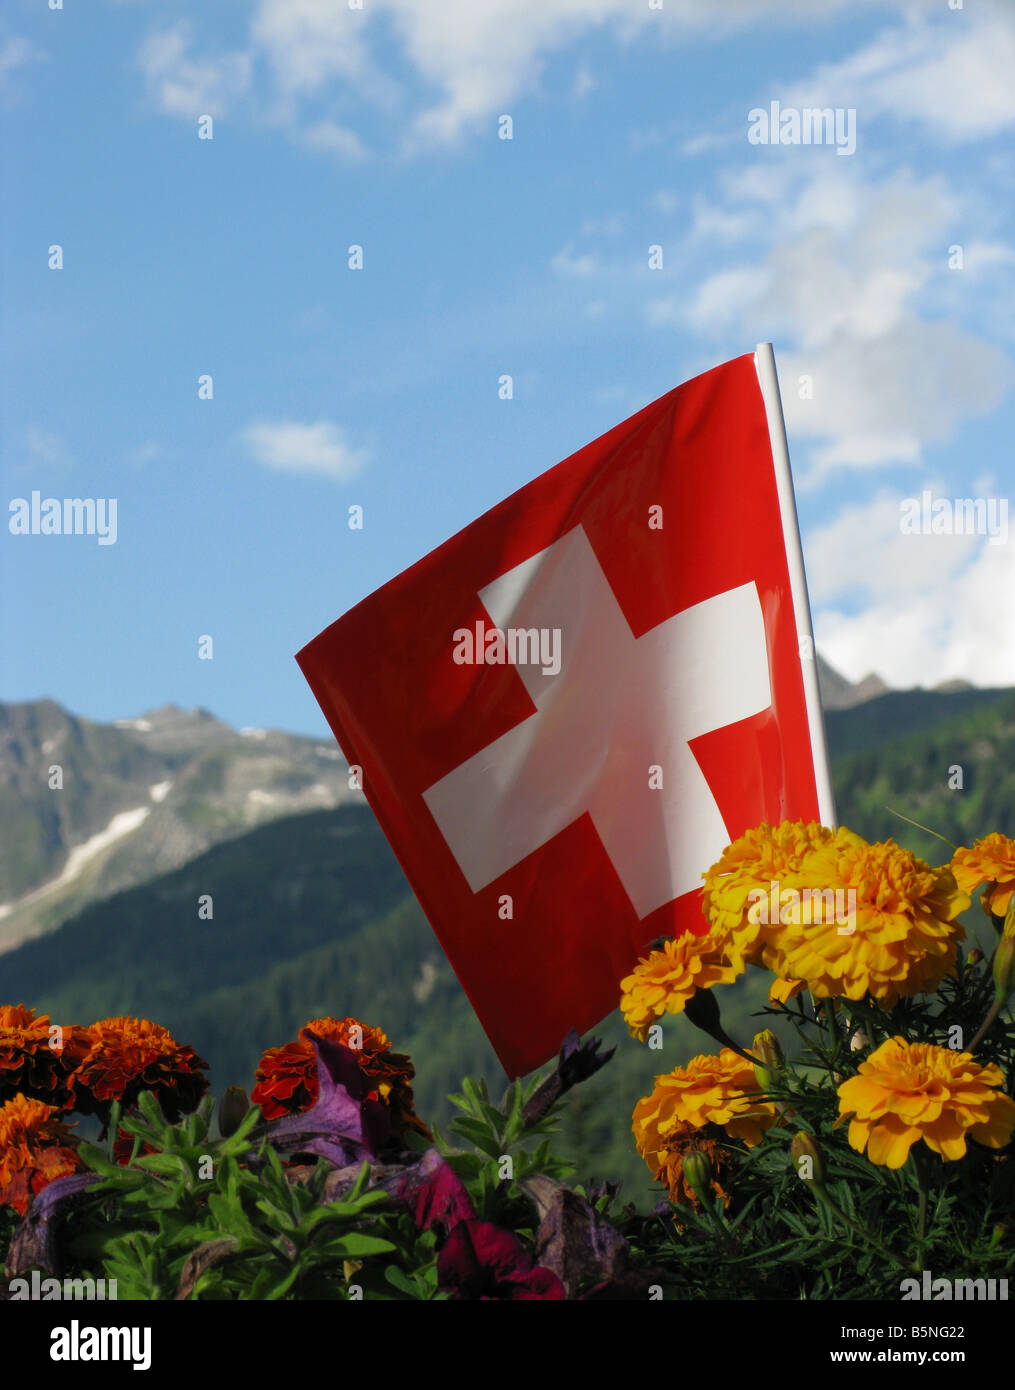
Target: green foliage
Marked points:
505	1151
197	1218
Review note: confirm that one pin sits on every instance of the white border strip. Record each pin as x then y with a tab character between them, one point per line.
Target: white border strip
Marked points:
764	361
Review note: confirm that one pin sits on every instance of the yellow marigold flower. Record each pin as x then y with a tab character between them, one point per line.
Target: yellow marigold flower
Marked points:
664	981
666	1162
748	867
719	1090
906	1092
783	990
990	861
903	938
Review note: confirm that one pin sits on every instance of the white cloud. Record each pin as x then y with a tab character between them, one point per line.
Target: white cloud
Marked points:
865	552
708	141
882	400
566	262
318	450
932	607
724	297
338	139
841	285
46	447
311	42
954	76
186	86
466	62
16	52
712	222
480	57
960	626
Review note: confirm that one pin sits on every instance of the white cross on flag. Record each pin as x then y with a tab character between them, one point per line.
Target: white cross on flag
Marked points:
566	712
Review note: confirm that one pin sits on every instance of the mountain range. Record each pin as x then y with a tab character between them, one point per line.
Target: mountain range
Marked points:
90	808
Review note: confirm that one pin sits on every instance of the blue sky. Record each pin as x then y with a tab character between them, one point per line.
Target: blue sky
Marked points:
379	387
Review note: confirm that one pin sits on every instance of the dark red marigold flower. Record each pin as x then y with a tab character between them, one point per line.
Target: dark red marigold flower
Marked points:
129	1055
37	1057
287	1075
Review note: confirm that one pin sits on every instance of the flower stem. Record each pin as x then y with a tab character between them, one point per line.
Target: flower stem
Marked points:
829	1011
920	1163
985	1026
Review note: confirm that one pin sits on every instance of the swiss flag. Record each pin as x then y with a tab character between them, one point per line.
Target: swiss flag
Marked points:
566	712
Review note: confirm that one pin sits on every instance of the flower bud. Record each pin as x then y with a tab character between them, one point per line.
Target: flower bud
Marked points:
859	1041
807	1159
975	956
232	1108
697	1172
1004	965
766	1048
703	1011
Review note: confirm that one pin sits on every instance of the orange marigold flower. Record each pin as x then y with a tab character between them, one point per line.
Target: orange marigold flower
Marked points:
990	861
36	1057
665	1159
746	869
719	1090
129	1055
906	1092
901	937
287	1075
35	1148
664	981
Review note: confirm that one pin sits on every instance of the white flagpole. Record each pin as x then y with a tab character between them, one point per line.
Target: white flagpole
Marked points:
764	361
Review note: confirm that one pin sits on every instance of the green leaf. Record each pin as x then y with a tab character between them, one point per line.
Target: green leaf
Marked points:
401	1281
151	1110
97	1160
354	1246
169	1165
282	1287
359	1186
478	1134
493	1117
473	1094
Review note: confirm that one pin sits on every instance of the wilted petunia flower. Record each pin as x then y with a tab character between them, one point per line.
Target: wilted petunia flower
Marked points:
481	1261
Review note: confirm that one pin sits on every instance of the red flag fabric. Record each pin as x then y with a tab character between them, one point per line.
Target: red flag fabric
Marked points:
566	712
